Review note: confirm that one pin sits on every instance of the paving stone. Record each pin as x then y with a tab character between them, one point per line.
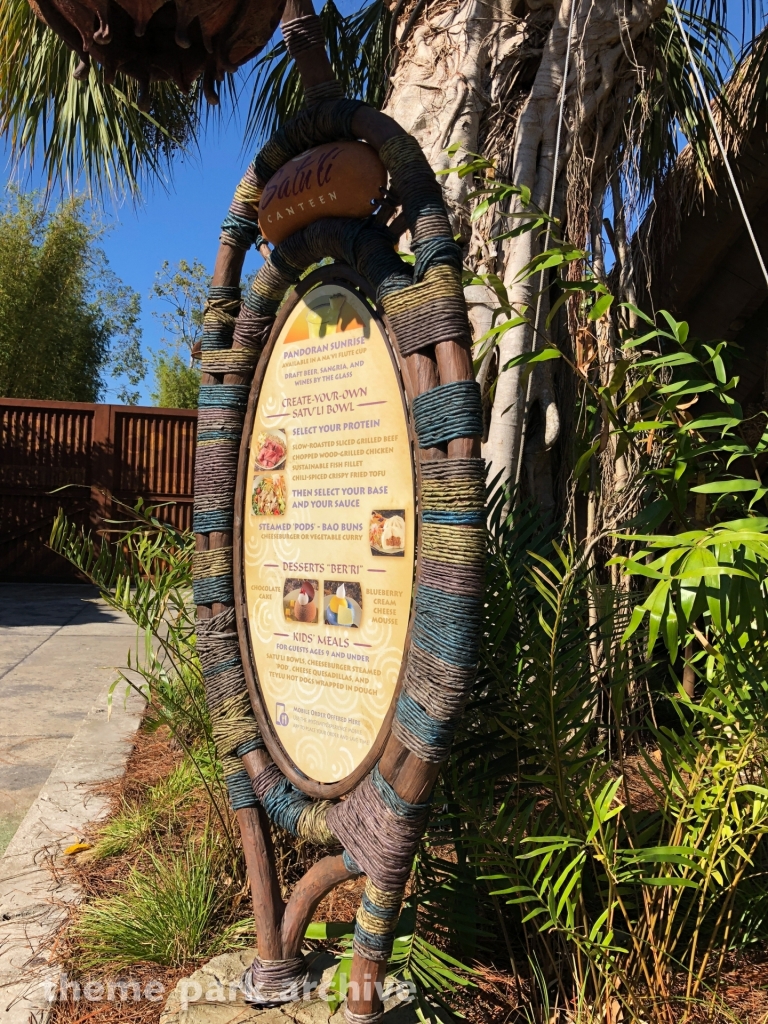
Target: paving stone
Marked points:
50	739
59	647
314	1010
34	897
211	996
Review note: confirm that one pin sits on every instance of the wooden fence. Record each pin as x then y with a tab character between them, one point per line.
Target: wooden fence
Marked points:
100	455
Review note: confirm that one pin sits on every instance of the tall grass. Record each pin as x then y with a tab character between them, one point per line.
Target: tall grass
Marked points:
168	914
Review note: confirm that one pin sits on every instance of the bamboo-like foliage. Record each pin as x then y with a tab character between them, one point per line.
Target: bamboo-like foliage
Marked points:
630	855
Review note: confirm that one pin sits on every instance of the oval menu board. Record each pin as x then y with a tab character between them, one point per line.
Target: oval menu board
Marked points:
328	537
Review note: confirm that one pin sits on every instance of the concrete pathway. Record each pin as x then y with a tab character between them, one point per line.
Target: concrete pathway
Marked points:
59	648
59	652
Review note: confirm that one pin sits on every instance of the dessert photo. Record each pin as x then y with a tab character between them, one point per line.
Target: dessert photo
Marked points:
271	449
269	495
343	603
386	532
300	600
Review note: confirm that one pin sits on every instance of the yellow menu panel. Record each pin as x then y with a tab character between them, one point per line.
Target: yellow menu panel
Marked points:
329	533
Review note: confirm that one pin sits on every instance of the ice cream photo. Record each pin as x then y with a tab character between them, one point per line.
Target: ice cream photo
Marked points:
343	603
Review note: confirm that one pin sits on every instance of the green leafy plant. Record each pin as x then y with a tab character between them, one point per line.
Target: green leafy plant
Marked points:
69	329
169	914
622	834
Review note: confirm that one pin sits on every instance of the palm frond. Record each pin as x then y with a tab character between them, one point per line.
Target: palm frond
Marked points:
669	109
86	130
358	46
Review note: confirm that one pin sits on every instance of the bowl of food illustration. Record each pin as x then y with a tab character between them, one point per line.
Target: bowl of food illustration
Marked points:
269	495
271	449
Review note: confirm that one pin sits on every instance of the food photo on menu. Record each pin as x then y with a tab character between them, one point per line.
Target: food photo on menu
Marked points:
271	449
269	497
343	603
386	532
300	600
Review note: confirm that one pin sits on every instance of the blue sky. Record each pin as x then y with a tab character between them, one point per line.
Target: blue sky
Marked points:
180	223
183	222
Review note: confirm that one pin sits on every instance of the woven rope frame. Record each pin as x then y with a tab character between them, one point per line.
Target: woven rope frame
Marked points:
421	306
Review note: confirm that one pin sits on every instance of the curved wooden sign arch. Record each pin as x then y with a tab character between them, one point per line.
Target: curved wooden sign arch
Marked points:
379	823
324	687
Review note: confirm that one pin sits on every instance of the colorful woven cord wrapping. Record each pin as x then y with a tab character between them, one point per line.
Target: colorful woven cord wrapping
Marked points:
429	312
440	669
219	315
235	729
376	921
380	830
431	309
212	576
447	412
271	982
291	809
424	305
241	225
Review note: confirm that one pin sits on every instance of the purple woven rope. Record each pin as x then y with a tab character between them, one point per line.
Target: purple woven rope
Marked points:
265	780
381	842
272	982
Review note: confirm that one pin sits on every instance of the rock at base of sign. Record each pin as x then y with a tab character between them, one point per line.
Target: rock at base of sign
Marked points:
212	996
337	179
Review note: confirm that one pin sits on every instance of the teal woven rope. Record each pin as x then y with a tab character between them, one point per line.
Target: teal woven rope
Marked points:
433	252
454	518
349	863
447	412
447	625
431	732
223	396
213	588
208	522
256	743
243	232
282	801
373	946
240	792
218	335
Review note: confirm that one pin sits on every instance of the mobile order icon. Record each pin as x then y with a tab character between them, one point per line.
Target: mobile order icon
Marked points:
280	716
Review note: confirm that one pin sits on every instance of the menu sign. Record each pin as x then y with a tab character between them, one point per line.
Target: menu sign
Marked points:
329	533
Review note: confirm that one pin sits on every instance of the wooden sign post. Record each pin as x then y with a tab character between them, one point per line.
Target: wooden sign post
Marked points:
339	514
